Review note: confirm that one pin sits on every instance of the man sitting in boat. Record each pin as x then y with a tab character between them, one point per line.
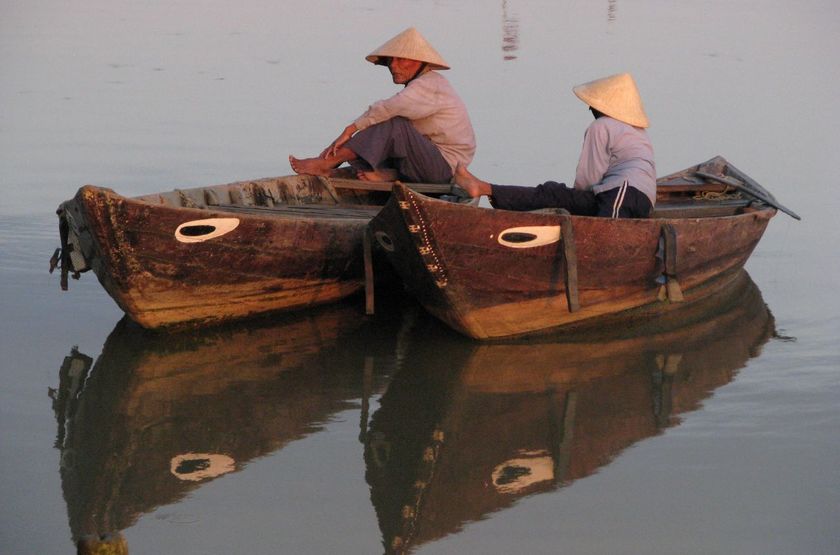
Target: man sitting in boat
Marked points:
418	135
616	174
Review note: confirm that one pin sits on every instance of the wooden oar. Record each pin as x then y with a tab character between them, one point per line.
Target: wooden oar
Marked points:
749	187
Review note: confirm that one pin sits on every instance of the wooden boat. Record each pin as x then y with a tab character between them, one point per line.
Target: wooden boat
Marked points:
452	443
497	273
200	256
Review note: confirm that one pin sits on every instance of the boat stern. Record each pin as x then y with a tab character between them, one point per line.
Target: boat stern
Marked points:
76	253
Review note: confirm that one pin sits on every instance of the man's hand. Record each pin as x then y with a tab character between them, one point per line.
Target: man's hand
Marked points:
342	139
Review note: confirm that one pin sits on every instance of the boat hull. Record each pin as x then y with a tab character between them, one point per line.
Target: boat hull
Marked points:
190	264
497	273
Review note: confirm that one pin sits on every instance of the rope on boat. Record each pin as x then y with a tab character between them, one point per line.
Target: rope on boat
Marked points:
726	194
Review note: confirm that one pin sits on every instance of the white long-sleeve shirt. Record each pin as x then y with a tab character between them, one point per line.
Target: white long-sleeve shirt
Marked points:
614	152
436	111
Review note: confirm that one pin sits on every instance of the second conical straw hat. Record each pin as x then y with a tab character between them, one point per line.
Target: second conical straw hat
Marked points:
409	44
615	96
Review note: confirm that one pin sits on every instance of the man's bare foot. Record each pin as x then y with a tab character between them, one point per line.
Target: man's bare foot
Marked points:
312	166
474	186
378	175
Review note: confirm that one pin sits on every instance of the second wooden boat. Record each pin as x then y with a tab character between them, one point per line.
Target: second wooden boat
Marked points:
498	273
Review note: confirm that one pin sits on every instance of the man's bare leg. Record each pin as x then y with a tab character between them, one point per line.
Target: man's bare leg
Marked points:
311	166
474	186
321	166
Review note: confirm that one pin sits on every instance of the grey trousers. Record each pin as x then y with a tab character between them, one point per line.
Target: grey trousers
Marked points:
396	144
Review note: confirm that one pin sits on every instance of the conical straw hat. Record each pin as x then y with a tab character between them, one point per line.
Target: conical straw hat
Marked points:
615	96
409	44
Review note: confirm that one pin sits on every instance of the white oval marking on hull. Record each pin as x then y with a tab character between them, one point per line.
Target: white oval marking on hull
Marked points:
528	237
515	475
194	467
198	231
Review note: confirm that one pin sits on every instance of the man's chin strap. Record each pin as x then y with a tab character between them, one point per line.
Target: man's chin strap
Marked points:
417	73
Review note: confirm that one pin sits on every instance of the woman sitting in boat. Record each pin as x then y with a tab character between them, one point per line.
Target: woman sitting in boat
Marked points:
418	135
616	174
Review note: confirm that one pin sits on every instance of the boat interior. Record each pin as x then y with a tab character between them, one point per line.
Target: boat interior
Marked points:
290	196
703	192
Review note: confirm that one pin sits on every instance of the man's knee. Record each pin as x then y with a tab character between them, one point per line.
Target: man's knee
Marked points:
390	126
401	122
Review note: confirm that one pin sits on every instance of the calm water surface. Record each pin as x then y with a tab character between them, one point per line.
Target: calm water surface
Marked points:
324	432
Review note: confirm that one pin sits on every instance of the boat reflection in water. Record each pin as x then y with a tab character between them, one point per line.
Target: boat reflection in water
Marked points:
452	443
160	415
462	429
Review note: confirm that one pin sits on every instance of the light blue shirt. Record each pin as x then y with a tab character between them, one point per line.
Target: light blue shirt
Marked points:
614	152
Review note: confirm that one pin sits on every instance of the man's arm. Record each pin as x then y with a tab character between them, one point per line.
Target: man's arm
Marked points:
418	100
594	156
340	141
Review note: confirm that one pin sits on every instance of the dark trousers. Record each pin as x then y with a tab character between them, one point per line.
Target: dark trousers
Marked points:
396	144
621	202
